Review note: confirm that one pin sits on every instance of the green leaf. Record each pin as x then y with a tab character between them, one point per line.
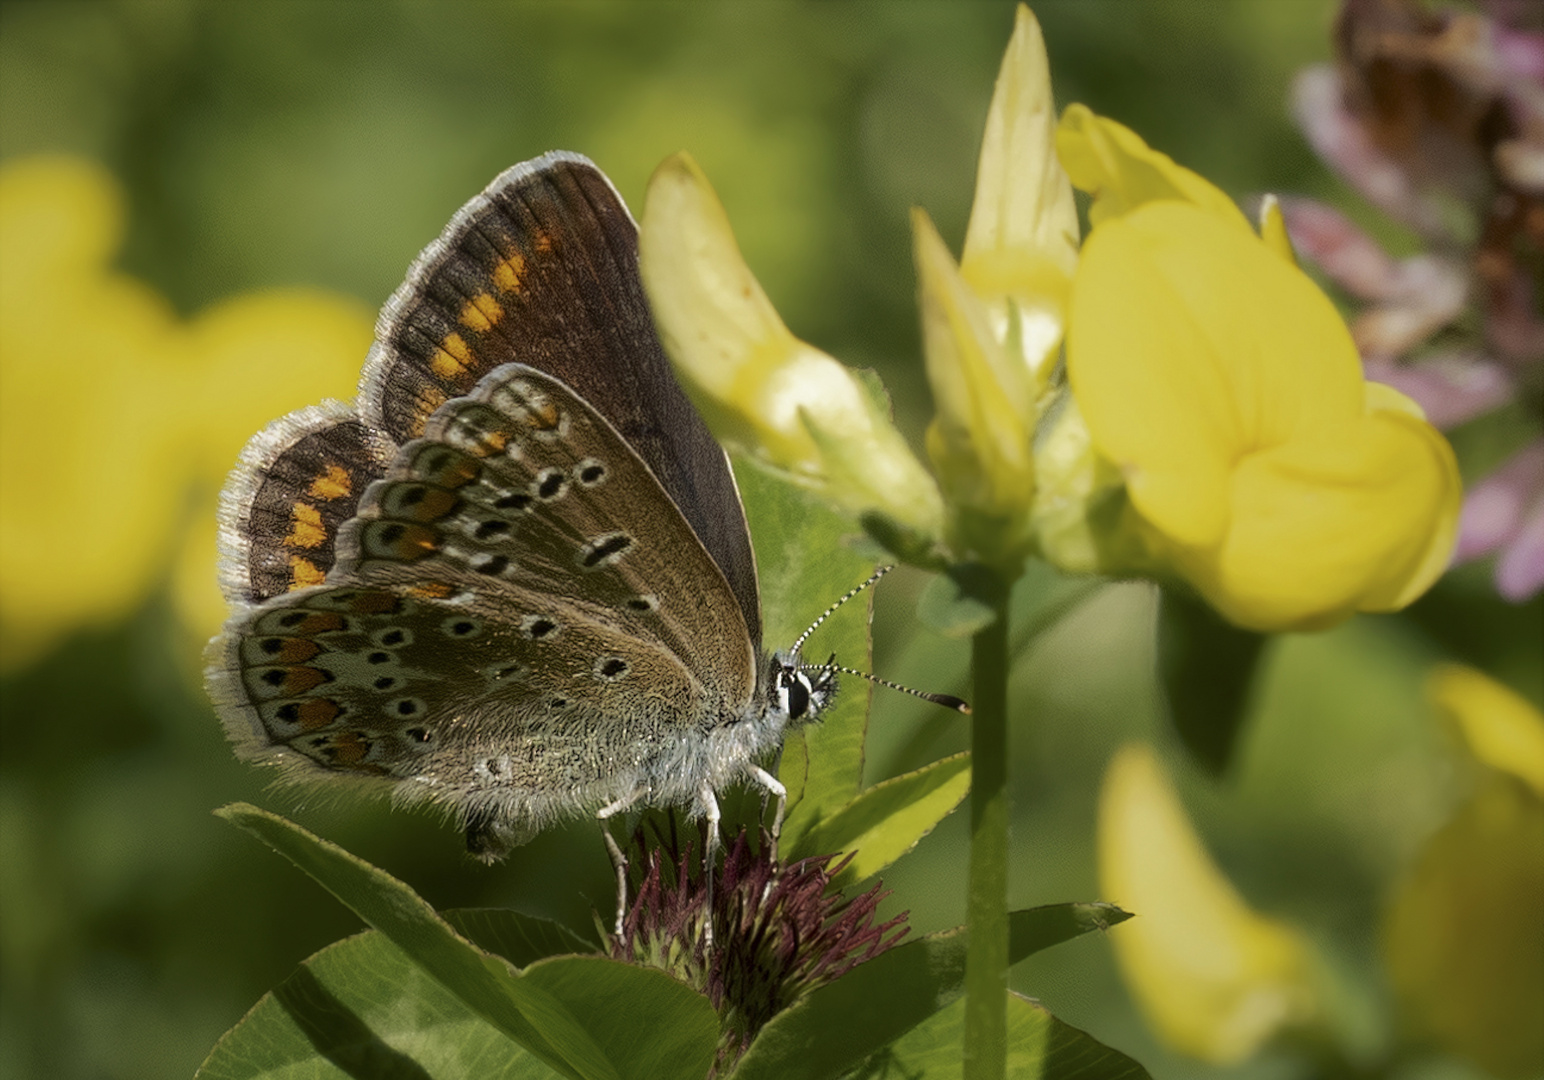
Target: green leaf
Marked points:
806	561
484	983
360	1008
841	1024
649	1024
520	939
1036	928
960	602
1208	668
887	820
1040	1047
363	1008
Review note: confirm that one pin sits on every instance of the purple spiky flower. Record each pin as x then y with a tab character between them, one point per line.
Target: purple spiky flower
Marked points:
779	931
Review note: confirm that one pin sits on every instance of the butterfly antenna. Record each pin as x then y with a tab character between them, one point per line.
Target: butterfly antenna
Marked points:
824	615
948	701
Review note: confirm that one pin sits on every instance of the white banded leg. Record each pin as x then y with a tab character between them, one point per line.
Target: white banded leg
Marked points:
708	803
618	860
773	787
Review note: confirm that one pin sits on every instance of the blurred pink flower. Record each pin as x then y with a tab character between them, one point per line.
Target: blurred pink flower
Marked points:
1504	514
1437	118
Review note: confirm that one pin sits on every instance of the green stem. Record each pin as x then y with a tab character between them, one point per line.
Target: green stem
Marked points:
986	956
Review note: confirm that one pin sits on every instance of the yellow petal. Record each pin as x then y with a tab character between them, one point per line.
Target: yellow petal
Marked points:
982	445
1122	173
1382	397
1339	523
1464	936
1214	978
1021	244
1273	229
1192	344
1502	729
757	385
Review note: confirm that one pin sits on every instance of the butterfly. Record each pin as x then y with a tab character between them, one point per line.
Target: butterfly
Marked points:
513	578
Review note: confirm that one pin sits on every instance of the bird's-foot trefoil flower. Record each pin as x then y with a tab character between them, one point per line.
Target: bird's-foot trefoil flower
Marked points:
1264	471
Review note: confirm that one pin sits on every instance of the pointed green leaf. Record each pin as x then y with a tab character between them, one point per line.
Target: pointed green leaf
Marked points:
1040	1047
362	1008
886	821
839	1025
520	939
484	983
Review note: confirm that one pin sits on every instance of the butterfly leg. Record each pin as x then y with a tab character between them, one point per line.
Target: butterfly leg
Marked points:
772	786
708	803
618	859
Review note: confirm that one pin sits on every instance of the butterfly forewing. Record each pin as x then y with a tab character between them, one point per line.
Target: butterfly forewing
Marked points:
297	483
542	269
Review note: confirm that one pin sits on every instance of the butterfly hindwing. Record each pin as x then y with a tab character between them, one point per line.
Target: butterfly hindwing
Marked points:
506	584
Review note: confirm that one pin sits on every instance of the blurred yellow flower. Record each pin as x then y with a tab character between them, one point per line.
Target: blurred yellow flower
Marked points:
114	412
1214	978
1226	388
758	386
1464	938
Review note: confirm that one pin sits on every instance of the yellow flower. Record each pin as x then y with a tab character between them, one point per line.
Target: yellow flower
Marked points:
1226	389
760	387
89	356
114	410
1214	979
1464	939
992	326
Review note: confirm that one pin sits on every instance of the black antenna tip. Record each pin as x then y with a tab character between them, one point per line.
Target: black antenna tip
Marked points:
949	701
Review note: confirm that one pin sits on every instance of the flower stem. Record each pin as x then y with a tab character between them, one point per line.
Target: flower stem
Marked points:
986	957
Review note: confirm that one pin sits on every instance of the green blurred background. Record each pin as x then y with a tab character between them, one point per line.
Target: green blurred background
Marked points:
275	144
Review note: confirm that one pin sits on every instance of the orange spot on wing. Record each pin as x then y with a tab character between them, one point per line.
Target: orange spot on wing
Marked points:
304	573
431	590
296	650
406	543
317	712
435	504
543	243
452	357
506	275
298	680
481	313
374	603
344	750
306	529
335	483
